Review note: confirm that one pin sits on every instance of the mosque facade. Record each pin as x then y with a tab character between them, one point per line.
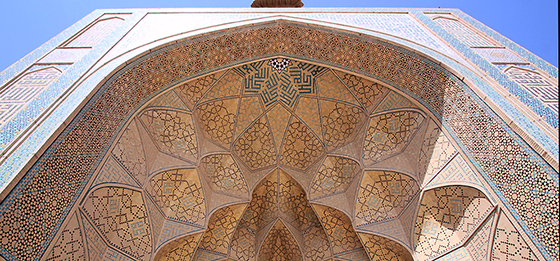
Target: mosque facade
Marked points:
279	134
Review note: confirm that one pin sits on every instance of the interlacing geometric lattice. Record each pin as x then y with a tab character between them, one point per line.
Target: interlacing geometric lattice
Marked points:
220	229
255	146
224	174
334	175
340	121
383	195
264	204
121	217
179	194
388	133
130	153
192	91
70	243
339	229
301	147
280	245
173	132
243	244
181	249
317	246
293	206
447	216
218	119
368	93
381	249
51	184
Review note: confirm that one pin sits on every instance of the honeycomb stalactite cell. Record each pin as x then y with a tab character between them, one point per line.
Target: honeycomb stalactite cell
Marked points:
322	133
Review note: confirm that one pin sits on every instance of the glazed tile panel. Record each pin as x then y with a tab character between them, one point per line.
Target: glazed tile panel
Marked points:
537	85
420	82
463	36
23	91
499	55
463	33
41	85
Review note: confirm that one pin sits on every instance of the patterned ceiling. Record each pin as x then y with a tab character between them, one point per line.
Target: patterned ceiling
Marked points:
280	159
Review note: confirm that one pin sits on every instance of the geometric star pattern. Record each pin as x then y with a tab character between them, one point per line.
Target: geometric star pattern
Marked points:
222	141
448	216
383	195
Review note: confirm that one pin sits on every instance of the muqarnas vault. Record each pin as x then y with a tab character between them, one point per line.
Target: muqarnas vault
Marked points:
279	134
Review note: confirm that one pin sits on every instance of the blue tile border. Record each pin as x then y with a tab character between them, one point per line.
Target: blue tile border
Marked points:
24	63
524	96
49	97
539	62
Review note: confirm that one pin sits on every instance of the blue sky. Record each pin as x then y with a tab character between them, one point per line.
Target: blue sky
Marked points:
26	24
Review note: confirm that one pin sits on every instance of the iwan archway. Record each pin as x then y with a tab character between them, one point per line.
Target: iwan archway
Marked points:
279	140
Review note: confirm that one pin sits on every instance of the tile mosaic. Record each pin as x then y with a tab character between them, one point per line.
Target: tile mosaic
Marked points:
287	250
181	249
178	193
278	118
173	132
255	146
93	34
379	248
130	153
221	226
393	101
243	244
537	85
308	111
446	217
218	120
383	195
389	133
460	108
224	175
463	33
498	55
460	255
462	45
70	243
23	91
390	229
113	172
456	172
316	244
249	110
172	230
334	175
121	217
64	55
479	244
545	66
508	243
339	229
169	100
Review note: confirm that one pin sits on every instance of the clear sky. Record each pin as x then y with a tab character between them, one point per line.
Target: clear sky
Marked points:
26	24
